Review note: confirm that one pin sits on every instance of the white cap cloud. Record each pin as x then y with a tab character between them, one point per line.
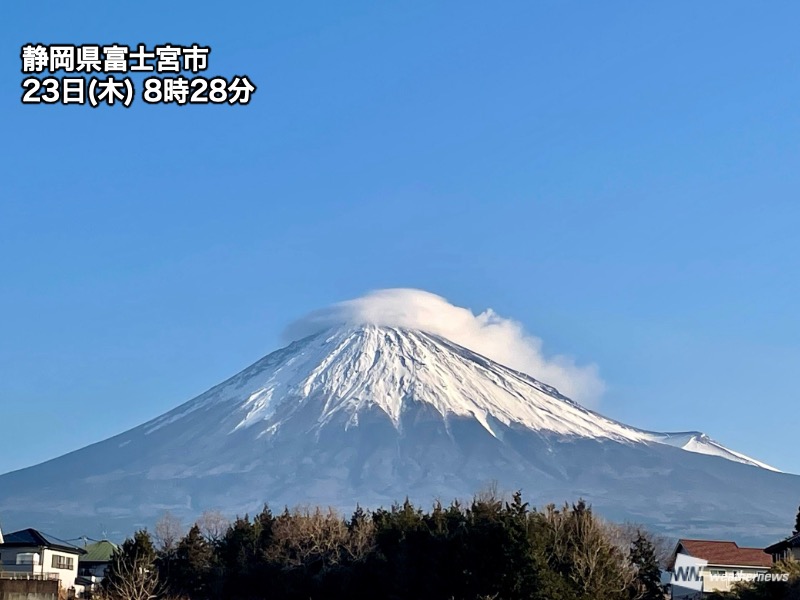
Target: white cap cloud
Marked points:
500	339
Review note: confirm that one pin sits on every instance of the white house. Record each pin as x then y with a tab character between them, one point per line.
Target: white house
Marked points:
727	564
30	554
93	565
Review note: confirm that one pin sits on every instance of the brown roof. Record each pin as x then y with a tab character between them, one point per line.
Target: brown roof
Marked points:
726	553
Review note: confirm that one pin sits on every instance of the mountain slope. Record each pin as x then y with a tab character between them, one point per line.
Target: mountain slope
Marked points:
350	370
373	414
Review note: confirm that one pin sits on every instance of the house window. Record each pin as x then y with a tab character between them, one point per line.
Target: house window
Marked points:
718	572
62	562
27	558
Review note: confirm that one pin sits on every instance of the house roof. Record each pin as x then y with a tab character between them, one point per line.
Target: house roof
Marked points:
725	553
31	537
99	552
790	542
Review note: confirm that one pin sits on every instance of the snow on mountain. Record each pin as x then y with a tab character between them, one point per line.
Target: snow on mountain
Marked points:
374	413
350	369
696	441
347	370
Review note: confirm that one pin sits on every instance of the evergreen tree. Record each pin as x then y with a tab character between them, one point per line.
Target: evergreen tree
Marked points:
487	549
242	568
132	573
648	573
797	523
192	566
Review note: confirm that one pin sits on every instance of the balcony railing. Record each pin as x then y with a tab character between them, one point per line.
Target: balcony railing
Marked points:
29	576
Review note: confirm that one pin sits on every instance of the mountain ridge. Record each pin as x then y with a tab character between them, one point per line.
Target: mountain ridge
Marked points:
369	352
372	414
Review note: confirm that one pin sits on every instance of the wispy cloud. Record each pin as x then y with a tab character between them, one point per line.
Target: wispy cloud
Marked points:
500	339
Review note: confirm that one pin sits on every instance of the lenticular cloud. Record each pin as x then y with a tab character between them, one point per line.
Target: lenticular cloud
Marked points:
500	339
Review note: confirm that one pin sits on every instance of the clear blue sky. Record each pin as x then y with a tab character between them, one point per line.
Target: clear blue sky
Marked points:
621	177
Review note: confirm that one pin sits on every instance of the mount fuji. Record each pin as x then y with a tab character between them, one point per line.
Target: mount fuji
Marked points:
372	414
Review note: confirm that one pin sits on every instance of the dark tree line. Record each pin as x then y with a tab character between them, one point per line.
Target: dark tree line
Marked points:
489	549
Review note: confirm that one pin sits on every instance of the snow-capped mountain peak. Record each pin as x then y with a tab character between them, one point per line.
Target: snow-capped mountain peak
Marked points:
335	375
375	413
342	372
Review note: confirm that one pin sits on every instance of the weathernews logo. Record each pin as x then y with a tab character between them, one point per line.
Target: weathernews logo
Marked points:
689	572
